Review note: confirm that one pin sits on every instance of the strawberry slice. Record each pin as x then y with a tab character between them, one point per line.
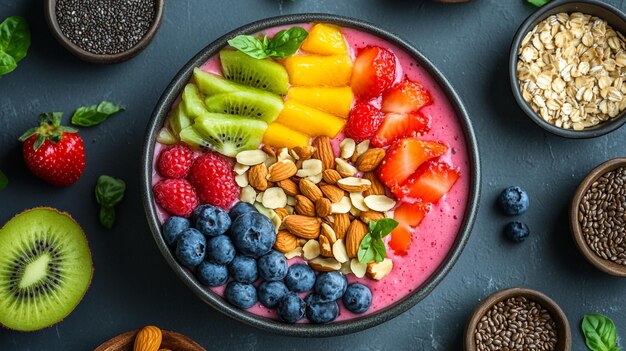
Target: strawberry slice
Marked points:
397	126
430	182
400	239
374	71
406	97
404	157
411	214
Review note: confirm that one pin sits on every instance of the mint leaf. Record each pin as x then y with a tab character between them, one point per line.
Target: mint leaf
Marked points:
250	45
599	331
379	250
87	116
109	192
287	42
366	252
372	247
383	227
3	180
538	3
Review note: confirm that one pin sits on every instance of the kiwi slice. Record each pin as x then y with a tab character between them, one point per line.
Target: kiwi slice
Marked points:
230	134
166	137
192	101
262	105
263	74
211	84
178	119
194	140
45	268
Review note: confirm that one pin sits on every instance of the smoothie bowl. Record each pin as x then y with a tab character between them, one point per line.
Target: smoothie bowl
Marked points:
310	175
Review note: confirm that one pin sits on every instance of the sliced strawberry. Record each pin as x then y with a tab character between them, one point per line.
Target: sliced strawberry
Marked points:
397	126
406	97
400	239
364	121
404	157
411	214
374	71
429	183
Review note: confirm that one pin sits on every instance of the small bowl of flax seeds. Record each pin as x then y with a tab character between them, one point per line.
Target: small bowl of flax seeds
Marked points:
518	319
598	217
104	31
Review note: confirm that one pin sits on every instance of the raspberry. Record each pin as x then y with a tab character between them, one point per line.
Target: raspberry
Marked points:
176	196
212	176
175	162
364	121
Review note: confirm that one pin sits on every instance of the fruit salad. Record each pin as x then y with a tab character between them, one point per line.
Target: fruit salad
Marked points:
311	173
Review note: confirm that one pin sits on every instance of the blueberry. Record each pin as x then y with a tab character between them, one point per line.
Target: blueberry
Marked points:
240	294
220	250
211	220
513	201
253	234
243	269
330	285
516	231
291	308
272	266
319	311
191	246
358	298
270	293
300	278
173	228
241	208
211	274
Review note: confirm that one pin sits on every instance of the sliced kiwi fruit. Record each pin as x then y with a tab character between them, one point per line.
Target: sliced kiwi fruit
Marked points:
262	105
194	140
45	268
230	134
193	101
262	74
166	137
211	84
178	119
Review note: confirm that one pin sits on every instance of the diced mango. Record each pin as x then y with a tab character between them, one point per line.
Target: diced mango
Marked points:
336	101
310	120
315	70
277	135
325	39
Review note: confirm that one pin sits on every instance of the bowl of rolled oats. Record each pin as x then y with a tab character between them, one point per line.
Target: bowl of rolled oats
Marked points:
568	68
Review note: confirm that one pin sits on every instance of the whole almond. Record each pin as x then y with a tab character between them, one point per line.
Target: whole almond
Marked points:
148	338
331	176
281	213
354	184
281	170
341	224
379	270
304	152
304	206
370	160
323	207
332	192
370	216
326	249
257	177
285	241
269	150
303	226
324	152
354	235
325	264
377	187
289	186
310	190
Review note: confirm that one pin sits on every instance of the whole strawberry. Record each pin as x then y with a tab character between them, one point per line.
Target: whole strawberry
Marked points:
53	152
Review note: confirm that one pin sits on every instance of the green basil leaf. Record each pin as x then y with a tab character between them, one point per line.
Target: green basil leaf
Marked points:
87	116
287	42
366	253
380	251
599	331
250	45
109	191
3	180
107	216
538	3
383	227
15	37
7	63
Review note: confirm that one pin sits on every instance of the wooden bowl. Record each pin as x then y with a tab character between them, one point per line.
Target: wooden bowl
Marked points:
171	340
84	55
602	264
564	334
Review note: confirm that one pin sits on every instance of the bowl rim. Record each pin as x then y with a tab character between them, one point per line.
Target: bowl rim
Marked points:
555	311
537	16
53	24
300	329
599	262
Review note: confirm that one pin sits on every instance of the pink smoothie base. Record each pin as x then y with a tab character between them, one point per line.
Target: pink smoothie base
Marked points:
434	238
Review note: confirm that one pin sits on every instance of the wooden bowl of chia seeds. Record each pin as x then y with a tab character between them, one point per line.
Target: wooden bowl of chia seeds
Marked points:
101	31
598	217
518	319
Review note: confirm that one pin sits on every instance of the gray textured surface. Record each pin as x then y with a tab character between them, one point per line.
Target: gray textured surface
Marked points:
132	284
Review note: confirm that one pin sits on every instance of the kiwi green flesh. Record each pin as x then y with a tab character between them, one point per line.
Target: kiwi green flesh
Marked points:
166	137
193	101
194	140
262	74
45	269
178	119
230	134
262	105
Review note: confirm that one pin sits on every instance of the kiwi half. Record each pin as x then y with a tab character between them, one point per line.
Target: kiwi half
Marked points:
229	134
262	105
45	268
262	74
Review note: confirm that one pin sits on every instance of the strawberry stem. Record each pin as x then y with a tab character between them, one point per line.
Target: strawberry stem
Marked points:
50	128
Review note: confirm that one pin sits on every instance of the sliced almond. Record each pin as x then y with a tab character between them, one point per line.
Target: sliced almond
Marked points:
303	226
379	270
257	177
324	152
343	206
332	192
345	268
247	194
242	180
289	186
341	222
357	268
355	212
274	198
370	160
354	184
285	241
326	249
270	161
339	251
310	190
314	178
347	147
358	201
380	203
310	167
297	252
259	197
362	147
310	250
251	157
283	154
344	168
331	176
354	235
304	206
276	220
377	187
291	201
370	216
281	170
328	232
324	264
240	169
269	150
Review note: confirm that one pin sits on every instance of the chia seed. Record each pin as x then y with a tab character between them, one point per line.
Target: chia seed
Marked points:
602	216
105	27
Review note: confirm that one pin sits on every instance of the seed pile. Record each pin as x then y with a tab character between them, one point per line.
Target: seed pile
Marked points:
516	324
105	26
602	216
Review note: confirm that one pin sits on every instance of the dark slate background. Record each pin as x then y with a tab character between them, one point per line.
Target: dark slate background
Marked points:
133	286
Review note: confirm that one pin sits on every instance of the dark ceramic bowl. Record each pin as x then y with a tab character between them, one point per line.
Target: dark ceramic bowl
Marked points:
614	17
564	334
301	329
607	266
51	18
